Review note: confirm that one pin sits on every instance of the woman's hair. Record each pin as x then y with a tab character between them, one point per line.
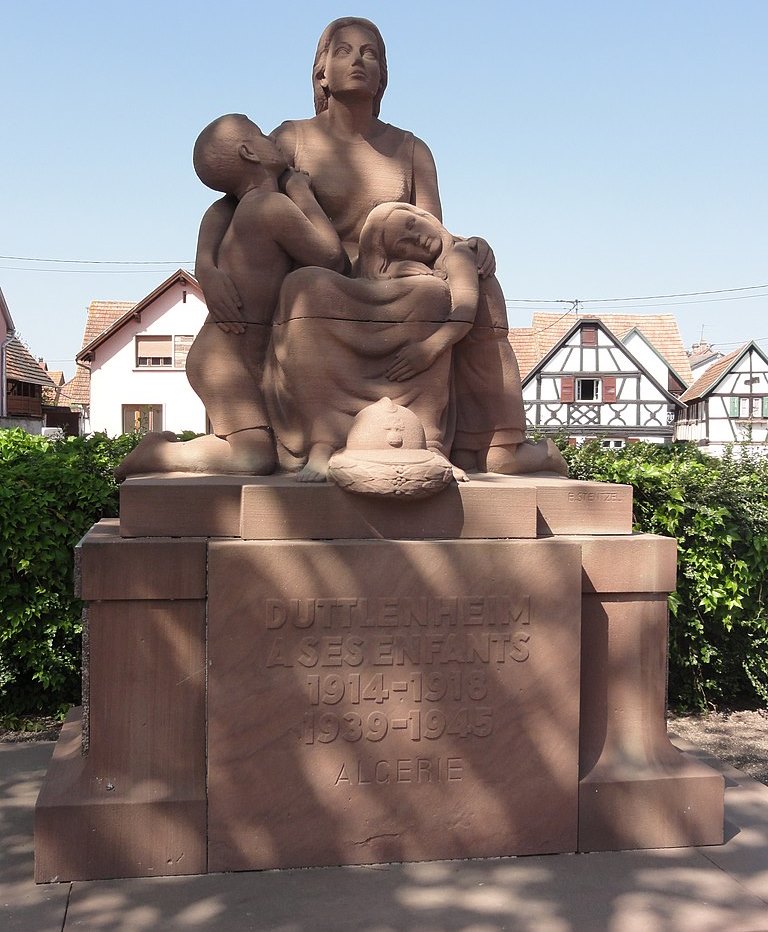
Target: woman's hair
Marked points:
318	68
373	260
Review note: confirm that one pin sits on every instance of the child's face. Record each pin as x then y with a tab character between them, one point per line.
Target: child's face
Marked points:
267	151
408	236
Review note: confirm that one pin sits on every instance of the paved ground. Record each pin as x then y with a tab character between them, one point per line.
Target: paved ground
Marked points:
719	889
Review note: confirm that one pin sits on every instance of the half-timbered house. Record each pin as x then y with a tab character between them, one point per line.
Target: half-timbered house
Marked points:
728	404
617	378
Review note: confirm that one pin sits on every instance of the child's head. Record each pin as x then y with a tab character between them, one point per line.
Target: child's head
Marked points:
227	150
400	232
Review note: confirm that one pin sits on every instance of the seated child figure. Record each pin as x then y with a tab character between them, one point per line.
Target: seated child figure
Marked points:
270	233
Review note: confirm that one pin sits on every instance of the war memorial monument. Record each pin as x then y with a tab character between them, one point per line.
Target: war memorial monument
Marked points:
365	619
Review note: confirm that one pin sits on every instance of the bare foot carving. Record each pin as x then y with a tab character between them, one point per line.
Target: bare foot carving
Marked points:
526	457
246	452
316	469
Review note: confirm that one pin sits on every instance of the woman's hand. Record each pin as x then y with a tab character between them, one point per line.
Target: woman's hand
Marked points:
411	360
486	261
223	301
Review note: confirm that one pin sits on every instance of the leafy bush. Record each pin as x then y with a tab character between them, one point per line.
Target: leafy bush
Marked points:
718	511
51	492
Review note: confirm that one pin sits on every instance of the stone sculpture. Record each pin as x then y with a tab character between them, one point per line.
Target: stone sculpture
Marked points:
387	454
417	315
279	674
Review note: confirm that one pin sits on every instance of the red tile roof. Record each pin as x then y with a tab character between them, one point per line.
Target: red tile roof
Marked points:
532	344
100	317
712	375
21	365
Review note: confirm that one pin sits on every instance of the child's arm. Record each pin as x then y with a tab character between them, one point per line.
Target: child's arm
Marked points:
221	295
305	232
464	287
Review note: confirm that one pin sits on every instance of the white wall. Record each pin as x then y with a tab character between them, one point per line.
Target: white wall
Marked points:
115	379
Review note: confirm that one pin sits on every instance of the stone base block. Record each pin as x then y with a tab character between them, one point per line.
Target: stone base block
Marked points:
86	828
678	806
489	506
391	700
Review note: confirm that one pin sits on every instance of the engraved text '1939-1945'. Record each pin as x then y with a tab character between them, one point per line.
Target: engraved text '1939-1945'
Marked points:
415	667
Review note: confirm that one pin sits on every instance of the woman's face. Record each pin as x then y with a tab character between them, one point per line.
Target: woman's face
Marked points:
408	236
352	64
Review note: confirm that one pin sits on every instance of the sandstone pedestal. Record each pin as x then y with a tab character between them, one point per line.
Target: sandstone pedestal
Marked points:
280	675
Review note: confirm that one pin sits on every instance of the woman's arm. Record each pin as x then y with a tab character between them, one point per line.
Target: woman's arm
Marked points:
424	191
221	296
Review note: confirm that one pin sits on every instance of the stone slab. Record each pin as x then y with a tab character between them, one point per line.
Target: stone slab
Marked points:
110	567
181	505
489	506
88	827
135	804
569	506
636	789
280	508
287	510
675	805
628	563
343	729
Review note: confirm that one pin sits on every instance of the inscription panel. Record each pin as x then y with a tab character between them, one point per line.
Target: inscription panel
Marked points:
391	700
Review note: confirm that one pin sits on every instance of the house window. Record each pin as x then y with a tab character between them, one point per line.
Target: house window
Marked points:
587	389
142	419
752	406
612	444
154	352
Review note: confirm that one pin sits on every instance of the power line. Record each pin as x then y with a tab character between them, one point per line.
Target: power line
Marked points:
683	294
648	297
17	268
96	261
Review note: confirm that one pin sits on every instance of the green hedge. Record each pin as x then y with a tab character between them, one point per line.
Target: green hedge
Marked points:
718	511
51	492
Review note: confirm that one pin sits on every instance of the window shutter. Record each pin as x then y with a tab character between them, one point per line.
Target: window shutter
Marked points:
765	406
609	388
181	346
589	334
567	389
734	407
154	346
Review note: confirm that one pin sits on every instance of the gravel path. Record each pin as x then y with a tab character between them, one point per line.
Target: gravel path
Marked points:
741	738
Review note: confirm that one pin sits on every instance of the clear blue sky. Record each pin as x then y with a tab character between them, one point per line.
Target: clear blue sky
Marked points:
605	148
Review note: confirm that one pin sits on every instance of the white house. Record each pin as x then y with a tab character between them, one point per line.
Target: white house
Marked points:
133	369
617	378
728	404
